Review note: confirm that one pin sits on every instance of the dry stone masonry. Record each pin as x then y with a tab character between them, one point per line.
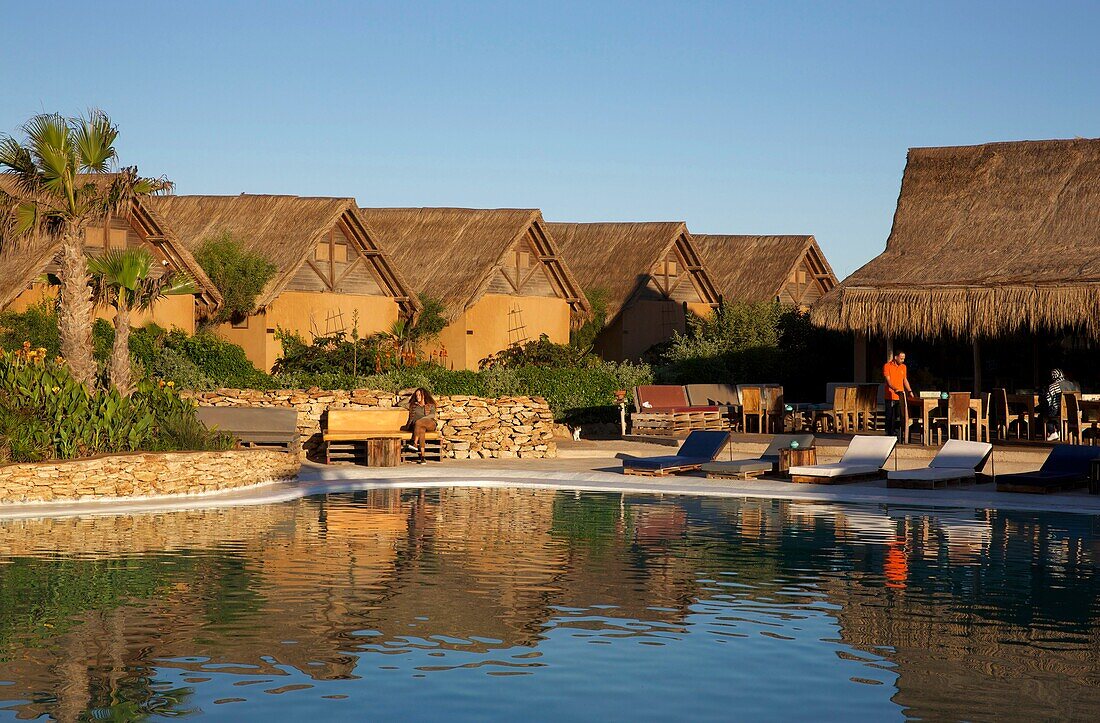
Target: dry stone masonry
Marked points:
143	474
471	427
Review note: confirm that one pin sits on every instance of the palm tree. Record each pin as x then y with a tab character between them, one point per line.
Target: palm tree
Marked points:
62	179
400	340
125	281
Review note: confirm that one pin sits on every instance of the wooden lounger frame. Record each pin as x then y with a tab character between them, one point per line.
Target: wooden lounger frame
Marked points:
931	484
805	479
676	424
1038	489
665	472
756	474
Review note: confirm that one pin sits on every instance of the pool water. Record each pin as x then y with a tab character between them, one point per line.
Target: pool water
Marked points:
542	605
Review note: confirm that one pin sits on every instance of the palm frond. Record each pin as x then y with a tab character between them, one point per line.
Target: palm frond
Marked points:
19	166
94	137
51	147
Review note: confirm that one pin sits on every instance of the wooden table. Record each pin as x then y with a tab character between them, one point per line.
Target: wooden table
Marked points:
1031	403
384	452
924	407
800	457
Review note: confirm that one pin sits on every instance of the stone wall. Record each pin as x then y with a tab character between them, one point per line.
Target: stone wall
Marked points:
143	474
471	427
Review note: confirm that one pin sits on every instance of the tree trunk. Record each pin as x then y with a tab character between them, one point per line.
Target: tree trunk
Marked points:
120	352
75	310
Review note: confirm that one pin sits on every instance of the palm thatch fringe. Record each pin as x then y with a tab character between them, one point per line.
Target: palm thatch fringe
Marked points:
962	312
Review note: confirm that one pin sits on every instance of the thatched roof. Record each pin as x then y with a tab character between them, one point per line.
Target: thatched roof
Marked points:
28	259
986	240
620	257
283	229
454	253
758	268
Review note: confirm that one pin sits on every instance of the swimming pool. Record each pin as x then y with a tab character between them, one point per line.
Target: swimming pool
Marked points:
474	603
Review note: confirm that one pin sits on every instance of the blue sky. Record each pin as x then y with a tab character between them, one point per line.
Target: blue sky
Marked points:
736	117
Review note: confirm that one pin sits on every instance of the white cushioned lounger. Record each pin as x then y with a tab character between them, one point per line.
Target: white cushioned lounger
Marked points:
956	459
865	456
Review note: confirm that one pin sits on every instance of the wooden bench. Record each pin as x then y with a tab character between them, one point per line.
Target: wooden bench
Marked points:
266	427
373	437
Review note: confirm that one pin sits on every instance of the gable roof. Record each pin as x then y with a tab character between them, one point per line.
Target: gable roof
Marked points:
758	268
454	253
283	229
28	259
986	240
620	257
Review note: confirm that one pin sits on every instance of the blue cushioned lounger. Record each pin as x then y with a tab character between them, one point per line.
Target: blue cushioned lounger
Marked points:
698	449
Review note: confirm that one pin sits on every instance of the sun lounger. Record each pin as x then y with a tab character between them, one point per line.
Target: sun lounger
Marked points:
255	427
956	462
1065	468
698	449
766	462
664	410
864	459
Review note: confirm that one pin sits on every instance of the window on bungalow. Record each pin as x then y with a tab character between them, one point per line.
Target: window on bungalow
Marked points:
523	259
242	324
340	253
118	238
93	237
322	252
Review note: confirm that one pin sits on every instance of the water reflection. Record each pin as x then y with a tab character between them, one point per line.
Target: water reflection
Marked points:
688	606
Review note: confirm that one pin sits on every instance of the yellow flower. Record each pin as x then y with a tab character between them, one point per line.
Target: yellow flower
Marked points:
171	384
55	390
59	360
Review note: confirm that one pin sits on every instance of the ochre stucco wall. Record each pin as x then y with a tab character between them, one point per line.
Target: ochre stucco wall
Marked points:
492	320
308	313
173	312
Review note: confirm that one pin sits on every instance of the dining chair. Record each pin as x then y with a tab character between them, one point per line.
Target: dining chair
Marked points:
981	421
1073	423
957	417
752	407
830	414
866	406
773	407
1001	417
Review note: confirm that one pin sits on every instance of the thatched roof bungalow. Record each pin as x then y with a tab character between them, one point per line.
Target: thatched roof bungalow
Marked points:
988	241
331	274
650	274
789	269
497	271
26	263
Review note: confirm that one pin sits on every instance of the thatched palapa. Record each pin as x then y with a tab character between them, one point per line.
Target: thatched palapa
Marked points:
987	240
789	269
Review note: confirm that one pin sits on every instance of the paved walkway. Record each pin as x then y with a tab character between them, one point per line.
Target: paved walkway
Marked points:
595	474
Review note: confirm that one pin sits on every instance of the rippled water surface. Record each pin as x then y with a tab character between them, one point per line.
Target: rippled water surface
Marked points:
467	604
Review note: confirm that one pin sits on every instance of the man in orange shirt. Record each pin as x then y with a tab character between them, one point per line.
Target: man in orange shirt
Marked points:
897	389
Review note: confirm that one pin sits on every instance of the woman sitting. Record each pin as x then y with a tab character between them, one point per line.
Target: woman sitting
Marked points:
421	420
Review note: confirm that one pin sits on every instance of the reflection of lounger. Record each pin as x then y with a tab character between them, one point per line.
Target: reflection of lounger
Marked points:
698	449
766	462
863	459
957	461
1066	468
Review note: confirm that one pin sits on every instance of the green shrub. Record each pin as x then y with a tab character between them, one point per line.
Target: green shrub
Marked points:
542	353
238	274
584	336
38	325
46	414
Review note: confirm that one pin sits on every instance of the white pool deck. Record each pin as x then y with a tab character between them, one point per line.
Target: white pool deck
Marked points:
582	469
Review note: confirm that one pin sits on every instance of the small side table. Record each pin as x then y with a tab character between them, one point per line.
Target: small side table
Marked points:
796	458
384	452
